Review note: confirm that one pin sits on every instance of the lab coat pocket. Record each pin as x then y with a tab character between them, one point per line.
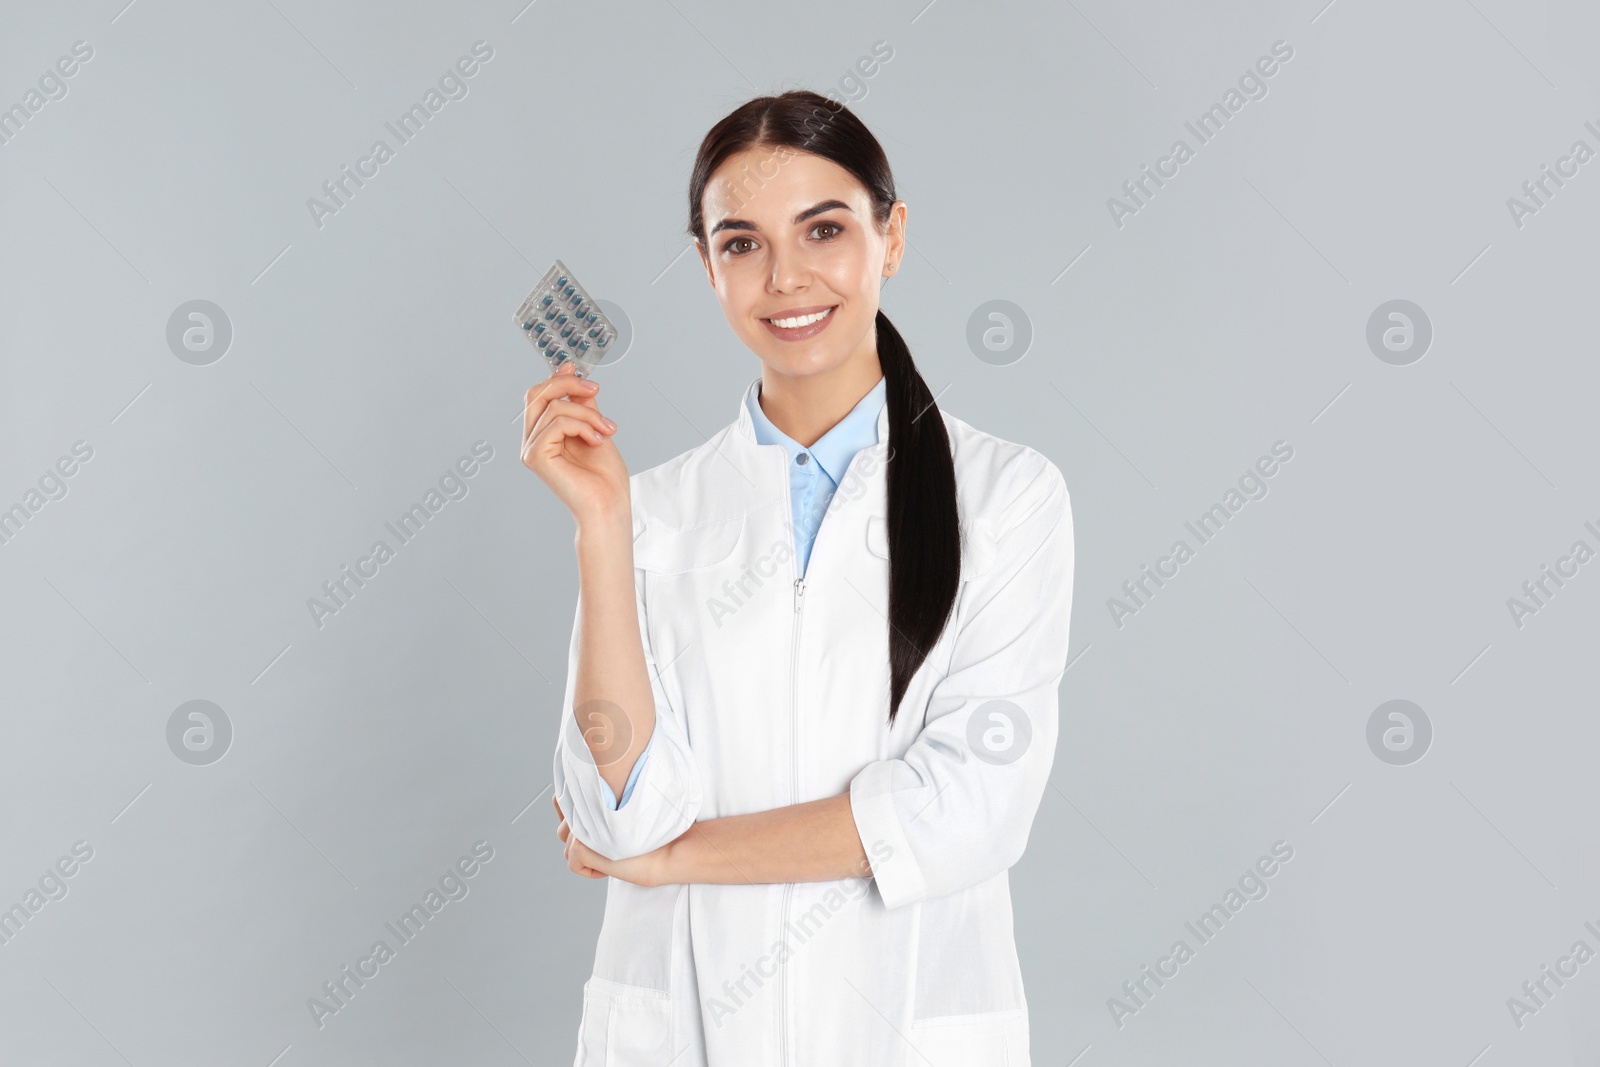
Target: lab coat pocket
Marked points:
624	1026
662	550
994	1039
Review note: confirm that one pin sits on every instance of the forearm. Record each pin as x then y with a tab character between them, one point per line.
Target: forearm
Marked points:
612	698
811	842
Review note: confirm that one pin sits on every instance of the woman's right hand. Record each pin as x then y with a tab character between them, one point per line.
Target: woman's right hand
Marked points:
567	443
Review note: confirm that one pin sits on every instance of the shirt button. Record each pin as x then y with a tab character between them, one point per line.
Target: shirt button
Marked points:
802	459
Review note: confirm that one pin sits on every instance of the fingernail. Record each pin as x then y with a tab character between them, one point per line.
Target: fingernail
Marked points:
609	424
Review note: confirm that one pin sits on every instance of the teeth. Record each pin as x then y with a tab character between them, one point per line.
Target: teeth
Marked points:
799	321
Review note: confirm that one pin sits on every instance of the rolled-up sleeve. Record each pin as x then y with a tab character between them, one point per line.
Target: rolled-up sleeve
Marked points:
664	796
957	808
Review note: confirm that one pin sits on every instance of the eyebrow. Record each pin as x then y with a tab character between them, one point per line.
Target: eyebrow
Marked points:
810	212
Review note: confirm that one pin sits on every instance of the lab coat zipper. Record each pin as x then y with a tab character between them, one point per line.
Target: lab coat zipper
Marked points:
794	791
794	774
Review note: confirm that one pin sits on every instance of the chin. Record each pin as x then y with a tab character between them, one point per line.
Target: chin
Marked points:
795	364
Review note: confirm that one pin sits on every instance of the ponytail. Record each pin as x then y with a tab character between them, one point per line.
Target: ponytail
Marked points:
924	531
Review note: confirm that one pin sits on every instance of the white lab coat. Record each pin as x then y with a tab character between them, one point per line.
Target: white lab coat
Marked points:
768	695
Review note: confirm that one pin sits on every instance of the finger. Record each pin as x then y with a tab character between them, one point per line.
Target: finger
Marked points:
584	856
559	407
550	441
563	383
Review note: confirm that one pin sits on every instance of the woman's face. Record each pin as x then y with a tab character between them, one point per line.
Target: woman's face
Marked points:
790	236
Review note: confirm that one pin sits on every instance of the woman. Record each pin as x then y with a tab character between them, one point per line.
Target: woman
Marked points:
812	695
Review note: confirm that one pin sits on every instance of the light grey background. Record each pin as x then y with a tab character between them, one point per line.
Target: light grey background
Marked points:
369	354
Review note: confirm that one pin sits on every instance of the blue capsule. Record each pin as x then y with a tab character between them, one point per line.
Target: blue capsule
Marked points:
527	326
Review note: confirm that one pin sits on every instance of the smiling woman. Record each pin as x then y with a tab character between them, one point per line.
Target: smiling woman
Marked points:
820	874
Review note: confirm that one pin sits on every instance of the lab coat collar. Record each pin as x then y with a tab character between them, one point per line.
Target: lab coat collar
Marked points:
833	451
744	428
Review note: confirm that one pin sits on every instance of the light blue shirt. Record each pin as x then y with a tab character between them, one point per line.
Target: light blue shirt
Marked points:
814	474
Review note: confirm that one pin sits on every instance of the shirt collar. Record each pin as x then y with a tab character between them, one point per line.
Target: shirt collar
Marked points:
834	450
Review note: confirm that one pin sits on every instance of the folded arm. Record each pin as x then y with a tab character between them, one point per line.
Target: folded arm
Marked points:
957	808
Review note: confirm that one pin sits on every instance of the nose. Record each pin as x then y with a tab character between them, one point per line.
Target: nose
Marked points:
791	270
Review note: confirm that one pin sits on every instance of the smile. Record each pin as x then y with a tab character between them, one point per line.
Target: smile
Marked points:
799	327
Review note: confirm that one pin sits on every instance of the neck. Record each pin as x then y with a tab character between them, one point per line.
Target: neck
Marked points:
807	406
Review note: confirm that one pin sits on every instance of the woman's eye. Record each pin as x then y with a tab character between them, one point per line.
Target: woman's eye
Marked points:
832	226
730	246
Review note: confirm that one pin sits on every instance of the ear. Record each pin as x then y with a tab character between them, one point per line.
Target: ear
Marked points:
706	261
895	240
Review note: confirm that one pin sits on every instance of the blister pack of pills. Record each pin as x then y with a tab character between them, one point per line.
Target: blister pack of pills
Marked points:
564	322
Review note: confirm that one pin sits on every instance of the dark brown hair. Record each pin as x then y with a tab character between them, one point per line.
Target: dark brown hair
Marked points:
924	531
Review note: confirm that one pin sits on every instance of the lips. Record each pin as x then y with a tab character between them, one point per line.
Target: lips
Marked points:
807	329
793	313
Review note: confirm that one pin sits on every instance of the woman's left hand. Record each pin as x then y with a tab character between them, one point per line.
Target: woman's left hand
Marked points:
649	869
